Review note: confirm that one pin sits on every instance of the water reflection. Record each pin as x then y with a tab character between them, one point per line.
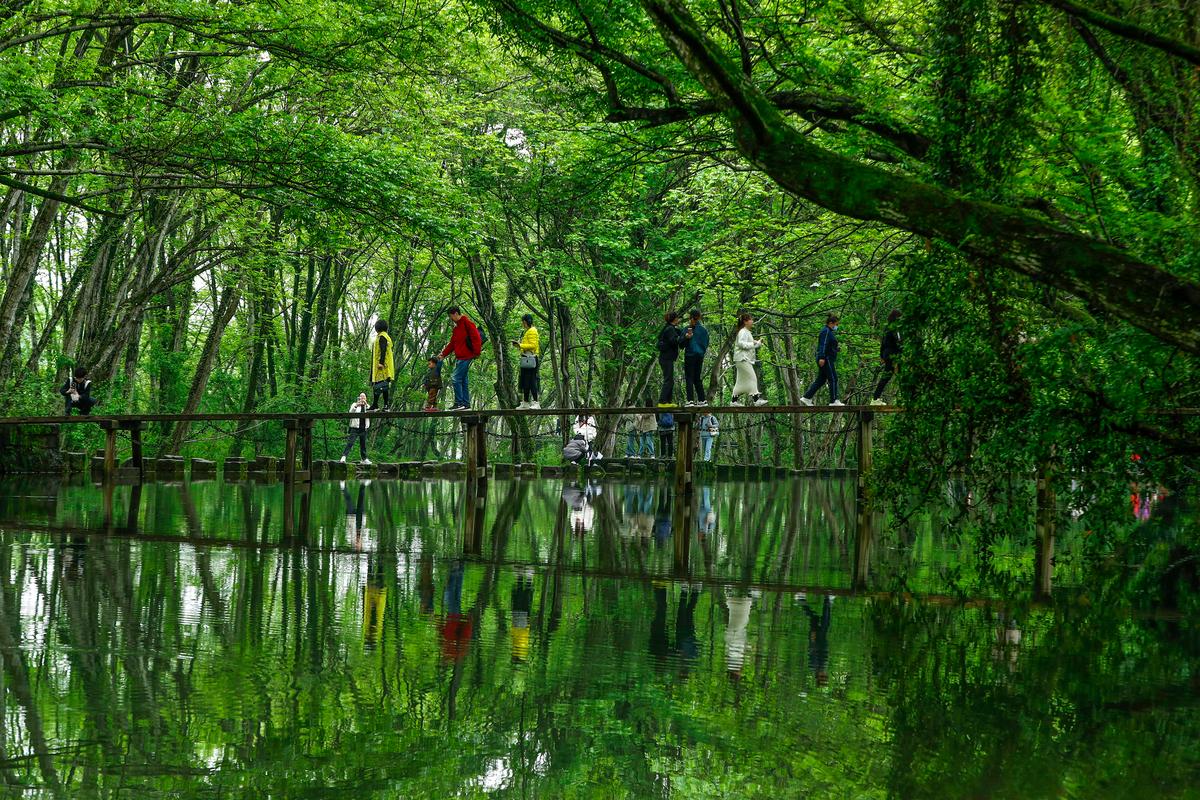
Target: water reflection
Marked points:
437	640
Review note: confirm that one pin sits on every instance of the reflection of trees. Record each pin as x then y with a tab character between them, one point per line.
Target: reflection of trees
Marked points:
155	667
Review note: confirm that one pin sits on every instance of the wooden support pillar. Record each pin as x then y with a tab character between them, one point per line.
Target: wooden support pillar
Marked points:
1043	565
866	429
135	429
681	535
865	530
475	448
474	512
291	428
289	506
110	450
685	454
135	506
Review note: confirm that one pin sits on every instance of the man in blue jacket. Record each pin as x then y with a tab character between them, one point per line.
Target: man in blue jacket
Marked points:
827	352
693	360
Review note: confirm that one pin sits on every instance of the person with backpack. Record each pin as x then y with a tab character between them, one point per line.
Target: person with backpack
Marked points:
358	429
669	340
827	353
383	366
710	429
77	390
528	383
666	434
889	349
745	353
696	338
466	344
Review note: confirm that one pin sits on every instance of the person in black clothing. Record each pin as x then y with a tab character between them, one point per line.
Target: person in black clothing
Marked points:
818	638
78	392
827	353
666	435
889	348
696	338
669	340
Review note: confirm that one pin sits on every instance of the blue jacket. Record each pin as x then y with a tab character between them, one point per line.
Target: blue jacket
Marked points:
698	344
827	344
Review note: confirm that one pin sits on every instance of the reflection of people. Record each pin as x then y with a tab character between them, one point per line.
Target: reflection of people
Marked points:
706	520
685	624
522	603
735	633
658	624
374	600
818	638
662	519
456	629
1008	640
579	500
354	513
639	502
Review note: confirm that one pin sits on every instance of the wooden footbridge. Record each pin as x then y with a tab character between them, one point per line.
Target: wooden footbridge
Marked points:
298	446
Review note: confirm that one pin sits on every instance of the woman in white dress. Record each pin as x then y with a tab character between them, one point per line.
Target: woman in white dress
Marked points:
745	353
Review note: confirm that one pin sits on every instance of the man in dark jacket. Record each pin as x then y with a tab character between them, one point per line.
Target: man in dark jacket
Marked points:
466	344
669	340
889	349
827	353
696	337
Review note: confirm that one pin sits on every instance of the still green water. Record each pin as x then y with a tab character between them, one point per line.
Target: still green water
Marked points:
406	640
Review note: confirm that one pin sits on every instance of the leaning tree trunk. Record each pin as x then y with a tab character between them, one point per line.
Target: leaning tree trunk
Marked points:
208	359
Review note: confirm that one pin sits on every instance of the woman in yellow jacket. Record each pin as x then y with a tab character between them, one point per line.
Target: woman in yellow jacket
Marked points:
383	367
527	381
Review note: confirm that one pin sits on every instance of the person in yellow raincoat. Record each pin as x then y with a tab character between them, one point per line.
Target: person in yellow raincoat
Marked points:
383	367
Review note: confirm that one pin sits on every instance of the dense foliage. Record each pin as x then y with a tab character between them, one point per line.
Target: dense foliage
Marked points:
208	205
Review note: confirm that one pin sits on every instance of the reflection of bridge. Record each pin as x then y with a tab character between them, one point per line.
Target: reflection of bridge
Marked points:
298	459
691	551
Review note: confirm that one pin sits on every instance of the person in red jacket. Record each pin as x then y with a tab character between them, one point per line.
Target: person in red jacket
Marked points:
466	344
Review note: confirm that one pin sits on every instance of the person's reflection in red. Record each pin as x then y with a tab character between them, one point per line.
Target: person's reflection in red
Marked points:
457	627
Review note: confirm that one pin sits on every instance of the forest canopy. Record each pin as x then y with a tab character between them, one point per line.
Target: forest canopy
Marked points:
208	205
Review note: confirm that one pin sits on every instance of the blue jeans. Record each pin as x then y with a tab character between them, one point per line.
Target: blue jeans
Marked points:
706	444
462	395
639	442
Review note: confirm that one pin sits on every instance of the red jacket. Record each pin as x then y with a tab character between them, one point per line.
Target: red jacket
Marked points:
464	342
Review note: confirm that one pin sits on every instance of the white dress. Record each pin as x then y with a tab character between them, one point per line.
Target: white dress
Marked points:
744	356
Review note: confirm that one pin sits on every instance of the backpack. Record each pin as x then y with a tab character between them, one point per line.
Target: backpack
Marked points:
666	420
482	340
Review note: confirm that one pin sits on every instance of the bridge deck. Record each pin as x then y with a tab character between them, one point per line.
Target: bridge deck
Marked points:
483	412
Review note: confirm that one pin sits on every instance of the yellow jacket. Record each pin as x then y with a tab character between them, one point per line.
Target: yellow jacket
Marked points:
387	370
530	342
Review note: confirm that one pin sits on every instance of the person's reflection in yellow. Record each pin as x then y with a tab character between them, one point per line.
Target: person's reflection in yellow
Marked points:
522	603
374	600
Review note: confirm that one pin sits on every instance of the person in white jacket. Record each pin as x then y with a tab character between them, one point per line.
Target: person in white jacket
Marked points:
745	353
360	405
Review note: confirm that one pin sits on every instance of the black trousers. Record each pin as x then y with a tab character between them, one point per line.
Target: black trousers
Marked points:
693	381
361	435
382	389
529	383
889	371
825	373
666	441
667	364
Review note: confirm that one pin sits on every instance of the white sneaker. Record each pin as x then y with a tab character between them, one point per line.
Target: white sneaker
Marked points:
762	401
804	401
366	462
342	460
837	403
733	401
534	404
878	402
523	404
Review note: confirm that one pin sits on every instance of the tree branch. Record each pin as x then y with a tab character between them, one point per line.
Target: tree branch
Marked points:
1128	30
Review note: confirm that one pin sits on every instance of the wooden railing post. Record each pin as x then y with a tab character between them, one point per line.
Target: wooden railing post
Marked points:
685	454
